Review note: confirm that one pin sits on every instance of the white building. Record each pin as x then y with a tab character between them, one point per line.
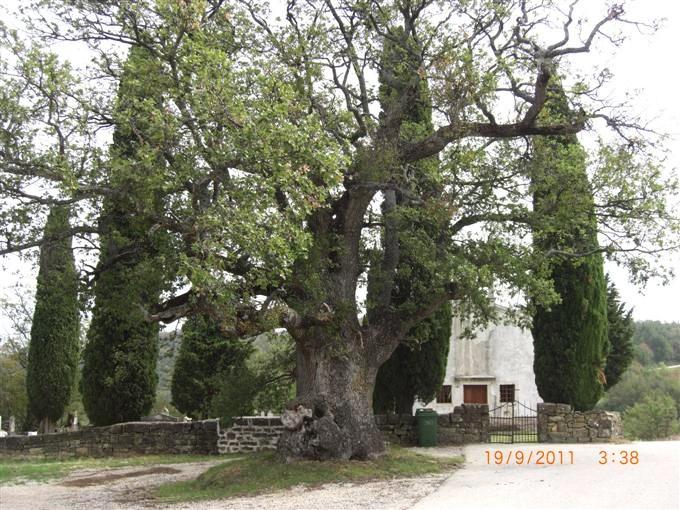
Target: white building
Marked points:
493	367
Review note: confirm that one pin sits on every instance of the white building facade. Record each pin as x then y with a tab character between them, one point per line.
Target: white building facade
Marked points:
493	367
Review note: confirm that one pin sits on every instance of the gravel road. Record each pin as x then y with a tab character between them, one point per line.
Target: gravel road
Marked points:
130	488
651	484
121	488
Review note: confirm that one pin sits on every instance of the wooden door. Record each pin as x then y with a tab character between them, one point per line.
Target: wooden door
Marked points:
474	394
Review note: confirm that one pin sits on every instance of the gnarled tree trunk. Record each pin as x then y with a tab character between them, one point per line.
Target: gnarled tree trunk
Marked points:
332	416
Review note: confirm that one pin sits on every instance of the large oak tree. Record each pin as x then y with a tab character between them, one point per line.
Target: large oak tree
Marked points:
289	177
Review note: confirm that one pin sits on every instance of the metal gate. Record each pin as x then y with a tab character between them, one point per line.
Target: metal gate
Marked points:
513	422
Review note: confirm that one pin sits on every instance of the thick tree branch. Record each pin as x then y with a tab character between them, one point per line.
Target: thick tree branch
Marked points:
437	141
14	248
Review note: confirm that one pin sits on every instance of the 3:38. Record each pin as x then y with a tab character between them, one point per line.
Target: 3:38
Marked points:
620	457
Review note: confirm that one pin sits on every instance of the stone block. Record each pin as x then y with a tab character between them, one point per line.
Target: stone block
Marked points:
443	420
393	419
558	437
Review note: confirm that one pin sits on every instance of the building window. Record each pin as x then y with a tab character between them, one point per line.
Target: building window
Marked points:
507	392
444	395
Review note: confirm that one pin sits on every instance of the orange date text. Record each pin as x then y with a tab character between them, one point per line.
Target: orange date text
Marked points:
623	457
529	457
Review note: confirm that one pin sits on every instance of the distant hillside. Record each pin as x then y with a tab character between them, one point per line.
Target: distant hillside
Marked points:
657	342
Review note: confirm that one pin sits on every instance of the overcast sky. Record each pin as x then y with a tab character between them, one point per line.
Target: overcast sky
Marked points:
644	64
648	65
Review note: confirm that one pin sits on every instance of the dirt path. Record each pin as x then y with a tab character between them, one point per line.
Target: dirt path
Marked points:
124	488
131	488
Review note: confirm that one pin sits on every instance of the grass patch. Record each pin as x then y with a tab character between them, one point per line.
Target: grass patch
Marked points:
263	472
518	437
33	469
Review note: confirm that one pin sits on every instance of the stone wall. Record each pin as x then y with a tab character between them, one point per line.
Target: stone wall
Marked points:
559	423
468	423
398	428
250	434
199	437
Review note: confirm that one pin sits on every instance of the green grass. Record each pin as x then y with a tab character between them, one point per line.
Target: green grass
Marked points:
263	472
24	469
519	437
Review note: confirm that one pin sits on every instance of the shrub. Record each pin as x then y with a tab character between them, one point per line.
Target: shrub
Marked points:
656	417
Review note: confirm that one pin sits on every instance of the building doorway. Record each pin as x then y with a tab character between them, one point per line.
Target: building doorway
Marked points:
475	394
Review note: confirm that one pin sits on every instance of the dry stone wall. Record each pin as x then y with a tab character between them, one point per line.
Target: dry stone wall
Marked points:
251	434
122	439
468	423
559	423
398	428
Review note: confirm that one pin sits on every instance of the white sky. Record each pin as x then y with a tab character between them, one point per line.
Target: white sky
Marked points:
648	65
644	64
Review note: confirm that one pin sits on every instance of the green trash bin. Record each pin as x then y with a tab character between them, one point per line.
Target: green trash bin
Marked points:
427	427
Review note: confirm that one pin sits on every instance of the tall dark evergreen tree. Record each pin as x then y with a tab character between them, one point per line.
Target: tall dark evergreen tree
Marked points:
417	368
621	329
54	346
205	355
570	338
119	373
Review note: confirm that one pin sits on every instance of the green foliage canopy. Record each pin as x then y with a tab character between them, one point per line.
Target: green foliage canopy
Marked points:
256	132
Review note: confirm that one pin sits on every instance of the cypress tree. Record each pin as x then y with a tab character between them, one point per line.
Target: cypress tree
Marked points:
570	338
54	344
417	367
620	337
204	356
119	374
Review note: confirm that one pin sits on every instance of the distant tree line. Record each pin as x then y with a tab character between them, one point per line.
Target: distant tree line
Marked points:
657	342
